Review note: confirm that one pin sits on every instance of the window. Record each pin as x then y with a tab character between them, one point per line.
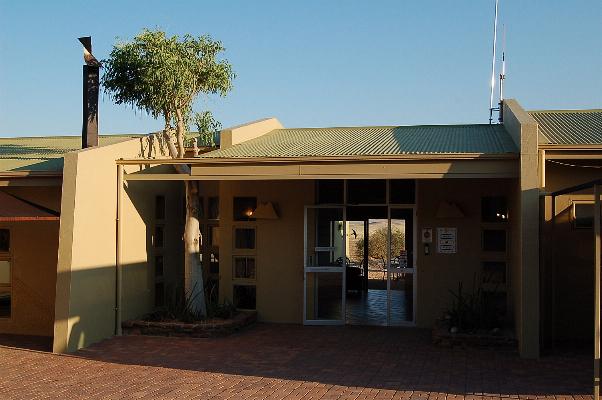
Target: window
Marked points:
213	233
5	289
494	240
244	238
213	208
402	191
493	272
160	207
201	210
214	263
245	297
4	240
158	239
244	267
330	191
494	209
583	215
159	294
158	266
243	208
367	191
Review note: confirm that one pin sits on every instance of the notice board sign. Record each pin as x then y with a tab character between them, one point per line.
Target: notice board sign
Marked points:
447	242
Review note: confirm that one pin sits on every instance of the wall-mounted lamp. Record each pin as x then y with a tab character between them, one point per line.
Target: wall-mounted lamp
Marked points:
264	211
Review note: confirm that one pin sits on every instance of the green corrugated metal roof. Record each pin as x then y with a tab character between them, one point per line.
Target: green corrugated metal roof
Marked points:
43	153
569	126
373	141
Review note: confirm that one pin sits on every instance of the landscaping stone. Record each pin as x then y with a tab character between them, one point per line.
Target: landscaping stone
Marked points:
199	329
442	336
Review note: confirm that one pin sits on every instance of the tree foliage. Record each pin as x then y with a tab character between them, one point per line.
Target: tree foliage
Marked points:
377	245
164	75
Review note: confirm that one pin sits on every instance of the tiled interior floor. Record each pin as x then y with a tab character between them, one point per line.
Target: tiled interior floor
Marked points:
370	308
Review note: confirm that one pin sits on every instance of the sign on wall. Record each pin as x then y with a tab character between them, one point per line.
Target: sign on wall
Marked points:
447	240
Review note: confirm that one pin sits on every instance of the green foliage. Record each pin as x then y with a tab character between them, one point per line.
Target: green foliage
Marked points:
179	306
377	245
207	127
472	311
223	310
163	75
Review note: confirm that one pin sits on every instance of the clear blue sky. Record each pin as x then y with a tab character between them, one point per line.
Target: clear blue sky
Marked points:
310	62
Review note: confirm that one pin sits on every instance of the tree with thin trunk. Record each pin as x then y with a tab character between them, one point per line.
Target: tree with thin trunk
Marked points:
163	76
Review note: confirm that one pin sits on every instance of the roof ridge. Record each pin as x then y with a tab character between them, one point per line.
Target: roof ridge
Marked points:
384	126
588	110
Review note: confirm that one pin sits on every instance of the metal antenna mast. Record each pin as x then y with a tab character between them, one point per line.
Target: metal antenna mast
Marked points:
491	108
503	74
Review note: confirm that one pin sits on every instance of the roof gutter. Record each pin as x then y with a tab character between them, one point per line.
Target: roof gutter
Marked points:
331	159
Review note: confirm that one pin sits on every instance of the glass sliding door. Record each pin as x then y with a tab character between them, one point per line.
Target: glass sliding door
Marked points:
325	263
401	266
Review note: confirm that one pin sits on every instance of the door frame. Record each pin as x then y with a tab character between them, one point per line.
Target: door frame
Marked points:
309	269
414	269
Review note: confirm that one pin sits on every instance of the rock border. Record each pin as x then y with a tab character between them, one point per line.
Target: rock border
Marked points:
442	337
201	329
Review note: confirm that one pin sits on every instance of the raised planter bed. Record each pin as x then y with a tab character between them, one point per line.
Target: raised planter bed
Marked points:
443	337
200	329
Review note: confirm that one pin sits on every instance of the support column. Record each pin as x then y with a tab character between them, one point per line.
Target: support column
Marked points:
597	247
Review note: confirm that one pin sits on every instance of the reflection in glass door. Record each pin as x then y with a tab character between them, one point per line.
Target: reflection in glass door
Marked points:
324	265
401	267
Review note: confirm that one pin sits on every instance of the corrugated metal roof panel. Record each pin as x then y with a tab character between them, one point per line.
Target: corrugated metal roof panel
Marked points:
374	141
570	126
43	153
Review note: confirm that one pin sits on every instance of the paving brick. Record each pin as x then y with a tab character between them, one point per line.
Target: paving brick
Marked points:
292	362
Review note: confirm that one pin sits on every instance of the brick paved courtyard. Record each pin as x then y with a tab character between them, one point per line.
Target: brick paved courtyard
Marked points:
290	362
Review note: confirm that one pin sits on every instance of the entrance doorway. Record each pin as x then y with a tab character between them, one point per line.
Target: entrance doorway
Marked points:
359	265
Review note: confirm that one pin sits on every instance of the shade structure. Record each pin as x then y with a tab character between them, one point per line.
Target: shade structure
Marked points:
13	209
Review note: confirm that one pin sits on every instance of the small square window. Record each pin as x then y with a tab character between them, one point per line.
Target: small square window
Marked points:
158	266
244	238
244	208
244	267
214	264
5	302
201	210
4	240
213	208
494	240
245	297
213	232
159	236
493	272
160	207
159	294
583	215
494	209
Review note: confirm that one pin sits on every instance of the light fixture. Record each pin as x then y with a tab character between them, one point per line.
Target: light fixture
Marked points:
264	211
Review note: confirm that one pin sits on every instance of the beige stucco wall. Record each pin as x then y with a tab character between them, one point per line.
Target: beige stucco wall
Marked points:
85	289
33	261
279	246
437	274
523	129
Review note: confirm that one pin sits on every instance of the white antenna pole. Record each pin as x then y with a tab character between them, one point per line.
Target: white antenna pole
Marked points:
493	63
503	74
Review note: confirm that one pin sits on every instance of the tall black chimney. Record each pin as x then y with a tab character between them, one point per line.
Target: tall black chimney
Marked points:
91	74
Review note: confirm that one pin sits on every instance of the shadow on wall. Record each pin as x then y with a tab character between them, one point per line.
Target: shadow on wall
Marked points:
569	281
92	303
